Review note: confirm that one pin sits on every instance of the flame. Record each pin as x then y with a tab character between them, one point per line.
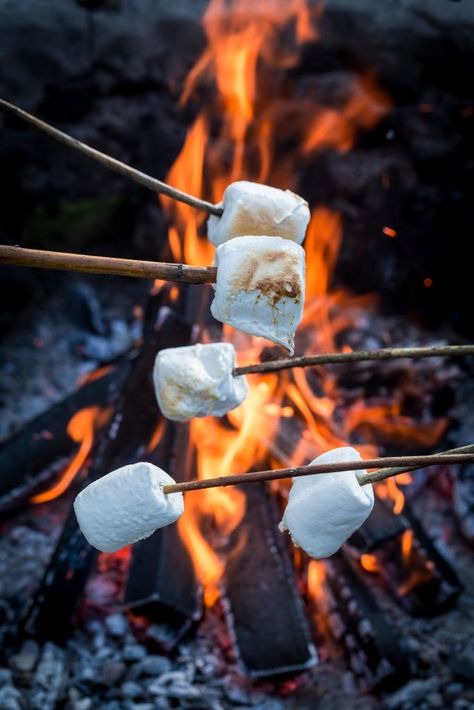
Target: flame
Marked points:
247	117
419	570
316	579
81	429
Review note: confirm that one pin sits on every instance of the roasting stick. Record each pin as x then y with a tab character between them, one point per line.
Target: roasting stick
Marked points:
388	466
113	164
355	356
18	256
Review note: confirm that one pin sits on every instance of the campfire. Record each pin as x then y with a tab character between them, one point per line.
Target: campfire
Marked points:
224	586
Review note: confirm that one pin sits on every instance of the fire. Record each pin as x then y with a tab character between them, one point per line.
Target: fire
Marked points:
249	115
418	570
81	429
369	563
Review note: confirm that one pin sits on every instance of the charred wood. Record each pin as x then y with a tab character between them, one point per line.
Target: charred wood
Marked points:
32	456
265	608
125	441
374	652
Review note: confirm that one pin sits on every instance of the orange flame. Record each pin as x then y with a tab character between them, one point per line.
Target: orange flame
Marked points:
81	429
246	121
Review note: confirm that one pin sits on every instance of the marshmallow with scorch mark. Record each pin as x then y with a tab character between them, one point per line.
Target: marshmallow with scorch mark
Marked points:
126	505
260	287
197	381
325	509
251	208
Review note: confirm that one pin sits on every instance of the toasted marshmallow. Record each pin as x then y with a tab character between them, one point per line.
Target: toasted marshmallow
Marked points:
197	381
260	287
325	509
250	208
126	505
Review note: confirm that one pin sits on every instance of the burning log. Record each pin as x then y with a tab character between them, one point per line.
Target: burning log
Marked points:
124	441
161	583
31	457
271	629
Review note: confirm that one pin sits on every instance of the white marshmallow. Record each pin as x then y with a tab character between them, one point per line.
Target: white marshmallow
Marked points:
197	381
250	208
325	509
260	287
126	505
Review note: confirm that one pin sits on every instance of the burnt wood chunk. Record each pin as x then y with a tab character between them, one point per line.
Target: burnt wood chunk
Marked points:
374	652
162	583
31	457
266	611
381	526
124	441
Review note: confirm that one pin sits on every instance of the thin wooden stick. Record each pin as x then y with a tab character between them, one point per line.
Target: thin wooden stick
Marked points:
107	265
113	164
356	356
403	463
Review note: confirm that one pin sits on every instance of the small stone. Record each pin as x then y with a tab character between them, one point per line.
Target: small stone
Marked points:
10	698
131	690
142	706
155	665
83	704
5	677
113	672
26	658
410	694
434	700
134	652
116	625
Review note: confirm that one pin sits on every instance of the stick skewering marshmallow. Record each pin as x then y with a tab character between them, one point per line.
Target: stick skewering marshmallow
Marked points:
260	287
324	510
251	208
197	381
126	505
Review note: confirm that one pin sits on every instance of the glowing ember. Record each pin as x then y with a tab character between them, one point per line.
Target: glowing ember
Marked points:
389	232
81	429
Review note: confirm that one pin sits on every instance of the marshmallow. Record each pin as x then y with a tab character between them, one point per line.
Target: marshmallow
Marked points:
260	287
250	208
197	381
325	509
126	505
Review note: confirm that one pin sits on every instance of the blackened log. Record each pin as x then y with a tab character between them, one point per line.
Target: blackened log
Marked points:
162	583
125	441
381	525
265	608
374	652
31	457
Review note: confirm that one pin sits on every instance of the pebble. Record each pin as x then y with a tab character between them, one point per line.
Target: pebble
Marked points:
134	652
116	625
10	698
5	676
413	692
113	672
154	665
131	690
26	658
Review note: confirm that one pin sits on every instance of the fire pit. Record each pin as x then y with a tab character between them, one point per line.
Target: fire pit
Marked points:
220	611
